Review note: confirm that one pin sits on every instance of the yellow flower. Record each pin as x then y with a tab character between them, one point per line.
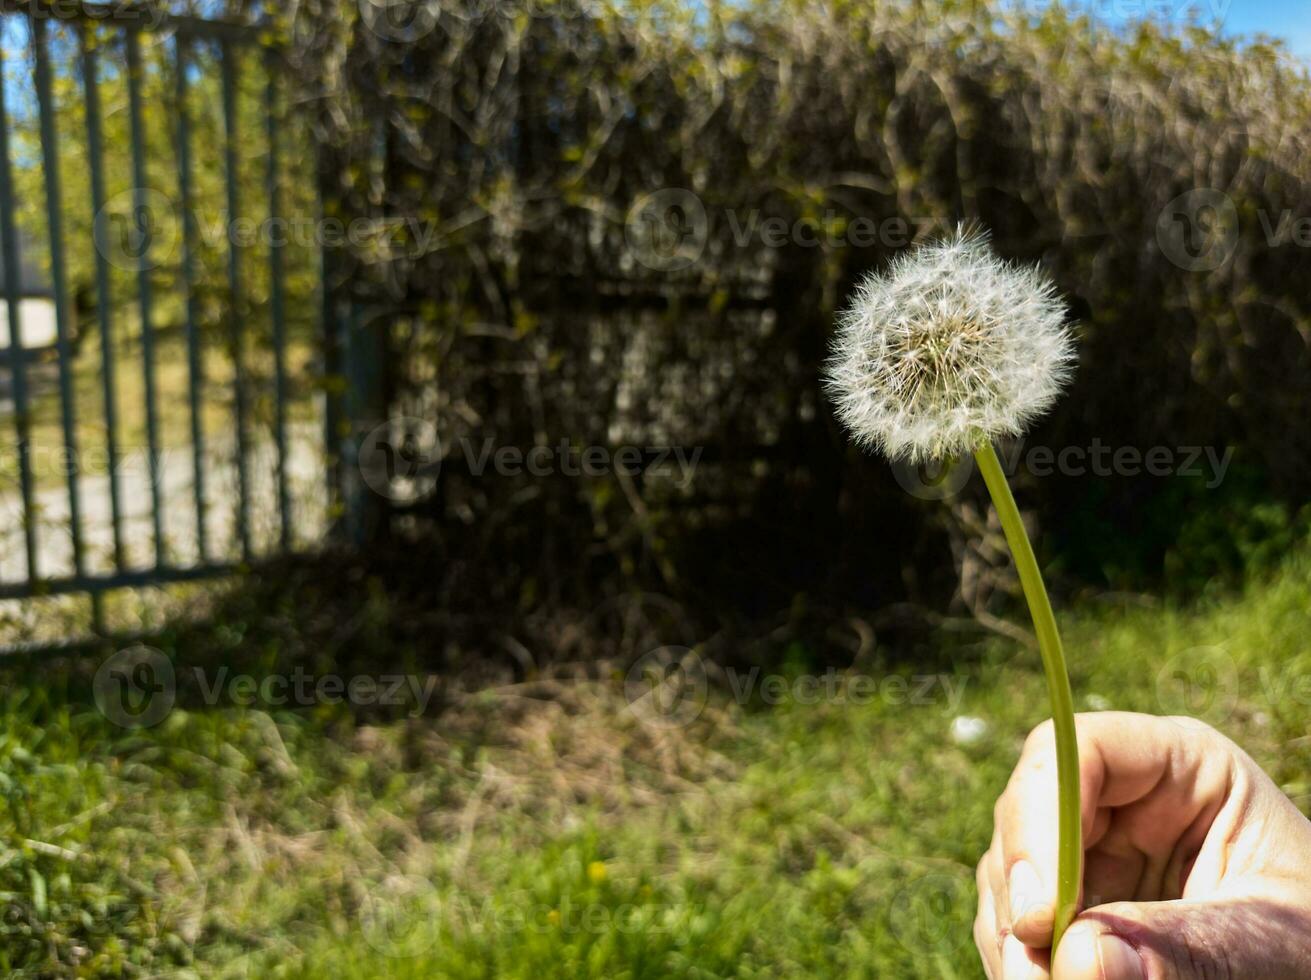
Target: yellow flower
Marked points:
596	872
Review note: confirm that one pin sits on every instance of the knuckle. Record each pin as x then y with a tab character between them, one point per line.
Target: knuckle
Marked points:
1125	915
1042	738
1197	728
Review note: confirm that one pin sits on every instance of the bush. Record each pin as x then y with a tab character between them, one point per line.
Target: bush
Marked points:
534	298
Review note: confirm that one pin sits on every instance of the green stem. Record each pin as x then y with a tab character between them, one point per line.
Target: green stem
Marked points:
1069	867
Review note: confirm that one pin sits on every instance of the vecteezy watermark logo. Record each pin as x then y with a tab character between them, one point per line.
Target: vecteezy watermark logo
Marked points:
932	913
136	230
136	687
403	21
666	688
146	18
1205	682
940	480
667	229
564	458
846	687
1198	682
935	479
399	917
1287	229
400	459
55	459
1198	230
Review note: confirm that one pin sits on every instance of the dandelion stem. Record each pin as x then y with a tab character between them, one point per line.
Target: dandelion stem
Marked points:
1069	870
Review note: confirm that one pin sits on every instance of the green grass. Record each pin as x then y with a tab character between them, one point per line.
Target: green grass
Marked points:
539	829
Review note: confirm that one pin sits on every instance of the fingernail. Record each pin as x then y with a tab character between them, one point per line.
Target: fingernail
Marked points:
1118	960
1025	890
1087	952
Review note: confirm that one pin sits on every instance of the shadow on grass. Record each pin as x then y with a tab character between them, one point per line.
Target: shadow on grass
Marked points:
406	632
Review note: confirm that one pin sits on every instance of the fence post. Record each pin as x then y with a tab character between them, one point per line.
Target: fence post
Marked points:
363	344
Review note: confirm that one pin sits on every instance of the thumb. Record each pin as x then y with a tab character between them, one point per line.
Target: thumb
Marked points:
1186	940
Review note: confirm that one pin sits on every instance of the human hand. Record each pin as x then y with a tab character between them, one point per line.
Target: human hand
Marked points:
1196	866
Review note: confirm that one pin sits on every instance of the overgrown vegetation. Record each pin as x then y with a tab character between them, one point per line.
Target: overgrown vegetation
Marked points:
501	154
533	825
540	294
526	821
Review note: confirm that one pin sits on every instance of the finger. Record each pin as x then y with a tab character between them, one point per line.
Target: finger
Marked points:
986	933
991	868
1021	962
1186	940
1004	956
1109	874
1145	769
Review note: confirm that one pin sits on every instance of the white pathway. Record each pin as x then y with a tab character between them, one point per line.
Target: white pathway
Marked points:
306	487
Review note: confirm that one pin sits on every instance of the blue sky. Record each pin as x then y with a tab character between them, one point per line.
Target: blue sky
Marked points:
1289	19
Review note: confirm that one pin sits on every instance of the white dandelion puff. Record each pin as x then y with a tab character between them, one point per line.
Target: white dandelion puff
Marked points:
938	356
948	348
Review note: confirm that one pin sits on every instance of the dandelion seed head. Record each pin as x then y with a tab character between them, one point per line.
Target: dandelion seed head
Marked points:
949	347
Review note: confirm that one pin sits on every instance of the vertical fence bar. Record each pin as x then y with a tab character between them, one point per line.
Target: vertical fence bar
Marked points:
17	359
58	281
366	511
91	90
330	341
347	440
358	372
194	373
228	59
141	207
276	297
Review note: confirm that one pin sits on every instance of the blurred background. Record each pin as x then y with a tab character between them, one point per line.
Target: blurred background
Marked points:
428	549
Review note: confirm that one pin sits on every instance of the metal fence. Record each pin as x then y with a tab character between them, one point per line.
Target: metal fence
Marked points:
95	33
